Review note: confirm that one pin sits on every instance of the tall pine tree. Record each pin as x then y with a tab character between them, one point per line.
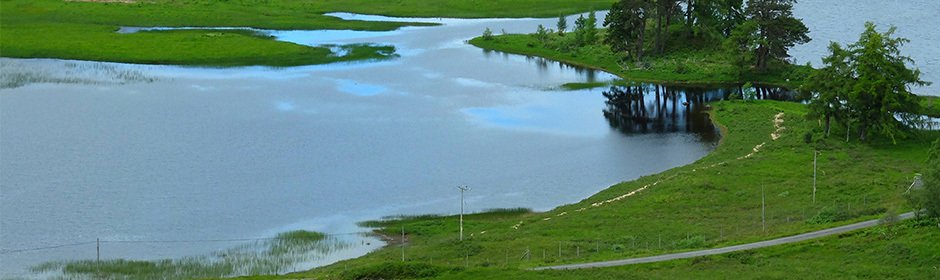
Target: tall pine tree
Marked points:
777	28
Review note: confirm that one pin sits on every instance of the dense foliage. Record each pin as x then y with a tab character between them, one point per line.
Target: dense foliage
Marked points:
866	86
754	35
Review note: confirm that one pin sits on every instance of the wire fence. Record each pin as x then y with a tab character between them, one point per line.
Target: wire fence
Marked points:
478	251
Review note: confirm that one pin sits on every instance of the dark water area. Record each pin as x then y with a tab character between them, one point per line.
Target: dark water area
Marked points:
657	109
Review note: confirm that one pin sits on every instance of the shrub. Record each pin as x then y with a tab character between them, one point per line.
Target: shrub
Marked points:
829	215
487	34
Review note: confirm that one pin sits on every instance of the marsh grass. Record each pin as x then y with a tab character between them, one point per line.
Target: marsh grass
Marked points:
14	74
285	253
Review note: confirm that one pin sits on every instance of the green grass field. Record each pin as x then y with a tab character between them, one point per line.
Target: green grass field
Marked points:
906	251
85	30
713	202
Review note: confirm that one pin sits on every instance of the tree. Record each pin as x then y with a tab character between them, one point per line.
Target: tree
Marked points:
882	81
664	11
562	25
579	25
867	84
741	45
487	34
827	89
626	27
541	34
590	29
777	28
730	13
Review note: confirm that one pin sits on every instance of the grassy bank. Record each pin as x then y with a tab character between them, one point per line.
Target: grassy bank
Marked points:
679	65
85	30
713	202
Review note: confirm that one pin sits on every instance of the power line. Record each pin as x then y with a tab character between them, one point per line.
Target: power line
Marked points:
5	252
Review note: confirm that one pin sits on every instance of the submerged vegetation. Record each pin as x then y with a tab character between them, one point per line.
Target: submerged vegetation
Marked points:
14	74
268	256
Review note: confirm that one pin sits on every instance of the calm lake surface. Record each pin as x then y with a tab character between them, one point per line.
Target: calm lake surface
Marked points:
136	153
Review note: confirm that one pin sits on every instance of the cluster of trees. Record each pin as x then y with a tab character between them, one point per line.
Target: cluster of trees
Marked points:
585	30
584	33
866	86
755	33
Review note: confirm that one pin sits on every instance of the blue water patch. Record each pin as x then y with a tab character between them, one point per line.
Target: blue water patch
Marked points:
359	88
285	106
497	117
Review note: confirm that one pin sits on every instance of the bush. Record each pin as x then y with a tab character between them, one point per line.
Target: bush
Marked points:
487	34
829	215
697	241
681	69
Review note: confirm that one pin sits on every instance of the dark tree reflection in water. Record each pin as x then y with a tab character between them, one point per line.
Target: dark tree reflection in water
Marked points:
652	108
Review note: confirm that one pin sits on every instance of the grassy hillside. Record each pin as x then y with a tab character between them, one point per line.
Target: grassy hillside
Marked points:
85	30
713	202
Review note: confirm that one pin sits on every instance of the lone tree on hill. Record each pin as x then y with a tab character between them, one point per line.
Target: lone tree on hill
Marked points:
881	89
867	85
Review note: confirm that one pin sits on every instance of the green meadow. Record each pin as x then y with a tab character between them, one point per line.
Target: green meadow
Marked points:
86	30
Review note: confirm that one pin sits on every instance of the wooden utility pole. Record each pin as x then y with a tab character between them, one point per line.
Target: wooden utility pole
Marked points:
814	175
462	190
402	243
763	210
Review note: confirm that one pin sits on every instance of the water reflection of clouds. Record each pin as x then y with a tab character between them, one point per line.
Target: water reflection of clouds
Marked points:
545	116
285	106
468	82
360	88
